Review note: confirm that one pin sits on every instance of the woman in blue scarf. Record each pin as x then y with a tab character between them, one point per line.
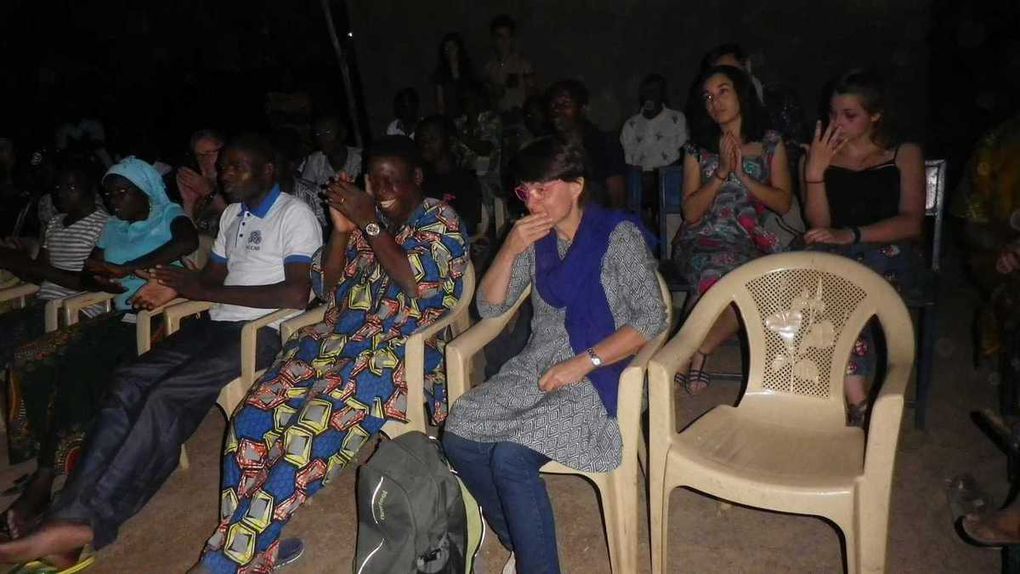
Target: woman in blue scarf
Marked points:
596	302
55	383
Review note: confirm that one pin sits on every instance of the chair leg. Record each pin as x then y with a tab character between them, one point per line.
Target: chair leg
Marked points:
871	540
184	463
620	516
927	324
658	515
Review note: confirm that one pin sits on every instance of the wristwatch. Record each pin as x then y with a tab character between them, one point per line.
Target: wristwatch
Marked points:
596	360
373	229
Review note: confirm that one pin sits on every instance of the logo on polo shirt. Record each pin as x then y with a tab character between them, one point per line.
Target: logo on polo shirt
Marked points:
255	239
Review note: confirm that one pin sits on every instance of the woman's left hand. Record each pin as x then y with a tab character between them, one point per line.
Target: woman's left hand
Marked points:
829	235
565	373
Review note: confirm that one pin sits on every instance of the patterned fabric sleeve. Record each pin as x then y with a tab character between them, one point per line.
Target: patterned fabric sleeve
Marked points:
436	249
357	249
520	278
628	267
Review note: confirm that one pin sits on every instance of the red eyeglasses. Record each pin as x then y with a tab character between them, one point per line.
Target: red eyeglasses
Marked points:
538	190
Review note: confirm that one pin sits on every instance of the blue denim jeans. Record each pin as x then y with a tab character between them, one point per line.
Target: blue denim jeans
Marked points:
503	477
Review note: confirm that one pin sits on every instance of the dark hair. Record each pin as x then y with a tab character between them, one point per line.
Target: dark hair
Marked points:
287	143
548	158
437	122
443	72
256	146
754	119
870	88
573	88
727	49
660	81
205	134
86	174
401	147
503	21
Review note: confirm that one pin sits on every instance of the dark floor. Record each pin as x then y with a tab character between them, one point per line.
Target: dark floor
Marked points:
707	536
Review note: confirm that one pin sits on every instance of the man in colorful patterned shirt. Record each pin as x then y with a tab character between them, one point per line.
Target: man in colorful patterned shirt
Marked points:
393	265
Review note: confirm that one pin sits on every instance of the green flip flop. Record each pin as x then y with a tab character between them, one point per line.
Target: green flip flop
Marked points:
85	561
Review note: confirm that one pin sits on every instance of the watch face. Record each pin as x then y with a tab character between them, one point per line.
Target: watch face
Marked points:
372	229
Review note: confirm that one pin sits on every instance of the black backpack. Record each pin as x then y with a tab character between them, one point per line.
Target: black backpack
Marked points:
414	514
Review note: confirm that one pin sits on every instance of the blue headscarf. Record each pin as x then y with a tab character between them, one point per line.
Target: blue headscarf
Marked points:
124	241
575	282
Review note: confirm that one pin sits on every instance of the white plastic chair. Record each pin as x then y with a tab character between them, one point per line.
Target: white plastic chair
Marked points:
618	489
786	446
20	292
233	392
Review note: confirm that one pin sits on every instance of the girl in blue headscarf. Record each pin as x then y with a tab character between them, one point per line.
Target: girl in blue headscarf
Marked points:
55	383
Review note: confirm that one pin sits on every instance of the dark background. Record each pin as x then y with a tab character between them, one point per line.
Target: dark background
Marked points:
154	72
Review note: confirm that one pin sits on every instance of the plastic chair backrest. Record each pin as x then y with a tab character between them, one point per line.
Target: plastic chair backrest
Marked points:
802	313
671	182
934	205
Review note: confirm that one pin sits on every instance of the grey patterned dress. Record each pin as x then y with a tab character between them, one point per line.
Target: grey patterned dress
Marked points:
569	425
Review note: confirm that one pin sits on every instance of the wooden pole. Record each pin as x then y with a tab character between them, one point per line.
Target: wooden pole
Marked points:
352	108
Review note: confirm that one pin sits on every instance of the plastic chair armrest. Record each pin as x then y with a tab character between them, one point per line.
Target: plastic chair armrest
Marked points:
143	325
175	313
18	292
884	425
294	324
74	304
460	350
249	341
662	369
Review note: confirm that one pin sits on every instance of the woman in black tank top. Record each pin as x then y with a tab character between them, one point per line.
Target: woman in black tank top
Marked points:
864	199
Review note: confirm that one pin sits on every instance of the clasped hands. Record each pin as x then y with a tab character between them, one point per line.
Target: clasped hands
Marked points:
350	207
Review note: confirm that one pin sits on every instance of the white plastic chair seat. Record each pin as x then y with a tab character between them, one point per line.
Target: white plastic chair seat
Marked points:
727	445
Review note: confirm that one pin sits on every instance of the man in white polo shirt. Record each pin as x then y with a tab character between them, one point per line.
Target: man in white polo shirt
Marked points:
260	262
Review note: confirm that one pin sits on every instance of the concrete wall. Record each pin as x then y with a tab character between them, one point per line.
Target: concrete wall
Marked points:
612	44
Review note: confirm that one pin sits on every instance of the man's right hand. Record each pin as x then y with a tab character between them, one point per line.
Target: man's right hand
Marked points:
526	231
153	295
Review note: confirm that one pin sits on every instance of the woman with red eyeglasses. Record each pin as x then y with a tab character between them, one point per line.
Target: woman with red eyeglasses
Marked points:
596	302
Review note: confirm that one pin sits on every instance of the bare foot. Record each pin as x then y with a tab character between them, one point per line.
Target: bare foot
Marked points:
53	540
994	529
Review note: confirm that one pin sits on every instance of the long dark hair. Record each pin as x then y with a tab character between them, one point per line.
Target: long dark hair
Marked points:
870	88
754	120
443	71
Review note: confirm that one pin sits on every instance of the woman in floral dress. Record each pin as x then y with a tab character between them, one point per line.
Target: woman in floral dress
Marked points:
734	172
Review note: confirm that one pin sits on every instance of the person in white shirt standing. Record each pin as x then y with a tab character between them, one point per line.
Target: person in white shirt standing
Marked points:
261	261
333	156
653	138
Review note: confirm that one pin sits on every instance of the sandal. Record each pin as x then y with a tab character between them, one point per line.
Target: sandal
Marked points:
11	530
85	561
695	380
